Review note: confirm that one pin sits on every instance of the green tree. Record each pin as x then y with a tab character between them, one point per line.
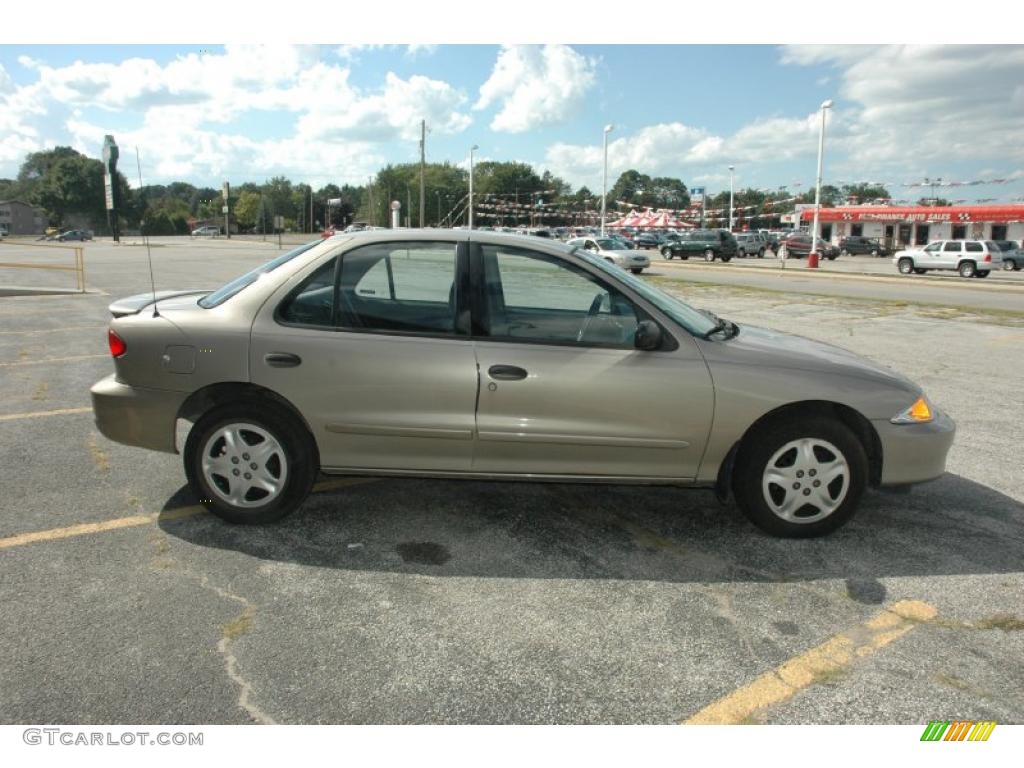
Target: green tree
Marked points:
65	182
247	209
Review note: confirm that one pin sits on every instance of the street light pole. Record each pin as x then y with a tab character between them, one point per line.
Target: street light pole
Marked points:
827	104
472	149
731	169
604	184
438	193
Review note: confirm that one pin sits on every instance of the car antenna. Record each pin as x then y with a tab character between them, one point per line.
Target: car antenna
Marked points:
145	239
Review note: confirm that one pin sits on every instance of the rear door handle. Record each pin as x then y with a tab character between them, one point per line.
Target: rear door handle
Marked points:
506	372
282	360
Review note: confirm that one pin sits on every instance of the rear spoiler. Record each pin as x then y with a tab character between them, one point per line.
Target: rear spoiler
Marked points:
132	305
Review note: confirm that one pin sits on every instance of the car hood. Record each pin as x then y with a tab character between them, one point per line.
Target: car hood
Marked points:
770	348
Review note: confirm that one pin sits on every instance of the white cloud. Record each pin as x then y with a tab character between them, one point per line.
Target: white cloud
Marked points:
911	107
536	86
677	149
183	111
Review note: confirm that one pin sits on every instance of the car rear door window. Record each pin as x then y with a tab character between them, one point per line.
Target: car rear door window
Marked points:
399	287
974	247
540	298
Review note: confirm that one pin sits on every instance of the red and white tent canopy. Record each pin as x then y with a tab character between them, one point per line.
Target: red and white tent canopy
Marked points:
650	219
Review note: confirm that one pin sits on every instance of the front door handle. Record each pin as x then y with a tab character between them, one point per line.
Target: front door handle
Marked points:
506	372
282	360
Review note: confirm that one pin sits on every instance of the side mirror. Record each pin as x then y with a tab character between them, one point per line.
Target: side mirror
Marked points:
648	335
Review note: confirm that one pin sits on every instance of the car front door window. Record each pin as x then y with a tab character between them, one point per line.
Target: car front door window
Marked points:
538	298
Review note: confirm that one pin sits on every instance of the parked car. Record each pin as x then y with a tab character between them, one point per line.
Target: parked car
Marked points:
970	258
649	240
798	245
859	245
624	243
611	250
80	235
750	244
1013	256
710	243
207	231
427	353
771	239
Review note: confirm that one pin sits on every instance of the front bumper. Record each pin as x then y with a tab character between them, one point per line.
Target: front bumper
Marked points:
914	453
144	418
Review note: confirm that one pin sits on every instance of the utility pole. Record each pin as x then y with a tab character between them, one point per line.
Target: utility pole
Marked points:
311	210
408	206
423	167
373	211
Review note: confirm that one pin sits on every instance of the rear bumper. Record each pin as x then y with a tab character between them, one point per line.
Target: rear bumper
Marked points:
914	453
144	418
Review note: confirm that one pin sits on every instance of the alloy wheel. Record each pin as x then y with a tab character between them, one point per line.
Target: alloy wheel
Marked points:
244	465
806	480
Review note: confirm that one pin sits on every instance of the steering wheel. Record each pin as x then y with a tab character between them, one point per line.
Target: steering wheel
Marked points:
595	307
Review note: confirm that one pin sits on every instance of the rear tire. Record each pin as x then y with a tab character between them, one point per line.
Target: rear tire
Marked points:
636	271
666	253
967	269
905	266
1008	266
288	464
709	255
774	486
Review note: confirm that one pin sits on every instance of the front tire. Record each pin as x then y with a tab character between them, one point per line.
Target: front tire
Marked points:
249	463
666	253
905	266
799	478
1008	266
636	270
967	269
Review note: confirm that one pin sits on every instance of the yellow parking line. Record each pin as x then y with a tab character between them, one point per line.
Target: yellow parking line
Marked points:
41	414
50	360
830	657
87	529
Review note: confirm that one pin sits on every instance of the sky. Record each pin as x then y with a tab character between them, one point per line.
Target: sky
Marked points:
337	113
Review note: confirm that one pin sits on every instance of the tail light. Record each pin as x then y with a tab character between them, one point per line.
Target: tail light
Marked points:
117	345
988	257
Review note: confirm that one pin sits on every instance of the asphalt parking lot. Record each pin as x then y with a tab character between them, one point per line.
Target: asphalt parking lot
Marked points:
414	601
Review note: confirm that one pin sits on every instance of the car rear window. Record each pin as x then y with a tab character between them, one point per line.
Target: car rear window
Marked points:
237	285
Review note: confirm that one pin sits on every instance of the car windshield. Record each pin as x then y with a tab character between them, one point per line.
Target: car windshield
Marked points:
224	293
691	319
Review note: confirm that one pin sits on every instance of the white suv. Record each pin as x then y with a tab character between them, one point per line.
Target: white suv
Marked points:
971	258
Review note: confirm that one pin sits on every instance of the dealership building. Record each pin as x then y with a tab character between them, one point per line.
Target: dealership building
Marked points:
897	225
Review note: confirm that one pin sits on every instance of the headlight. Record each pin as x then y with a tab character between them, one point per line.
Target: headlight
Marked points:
919	413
